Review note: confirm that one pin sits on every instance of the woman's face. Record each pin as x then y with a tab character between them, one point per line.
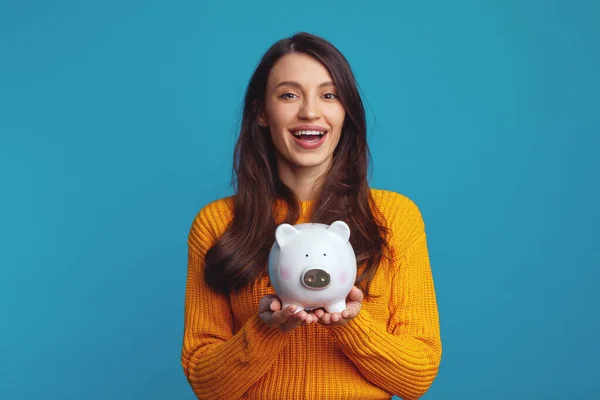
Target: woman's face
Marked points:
302	112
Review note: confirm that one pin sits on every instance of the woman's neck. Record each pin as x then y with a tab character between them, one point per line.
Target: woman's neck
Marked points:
304	181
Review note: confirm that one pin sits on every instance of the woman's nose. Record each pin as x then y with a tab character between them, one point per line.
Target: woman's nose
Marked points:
309	110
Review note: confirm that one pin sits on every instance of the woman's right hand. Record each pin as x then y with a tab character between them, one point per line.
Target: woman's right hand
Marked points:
270	312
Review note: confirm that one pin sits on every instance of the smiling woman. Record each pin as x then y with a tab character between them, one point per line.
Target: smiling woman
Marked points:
302	112
303	115
302	156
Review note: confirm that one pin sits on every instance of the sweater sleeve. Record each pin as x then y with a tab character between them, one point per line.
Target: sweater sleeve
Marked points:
218	363
403	356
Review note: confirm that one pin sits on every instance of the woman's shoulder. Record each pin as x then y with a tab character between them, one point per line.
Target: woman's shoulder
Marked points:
218	208
214	216
393	204
401	214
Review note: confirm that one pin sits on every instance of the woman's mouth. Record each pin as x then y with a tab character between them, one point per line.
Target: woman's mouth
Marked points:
309	139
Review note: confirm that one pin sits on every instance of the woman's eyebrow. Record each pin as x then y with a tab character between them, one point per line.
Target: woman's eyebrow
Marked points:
299	86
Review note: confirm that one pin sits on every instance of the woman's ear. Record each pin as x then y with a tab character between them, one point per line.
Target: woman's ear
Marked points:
260	114
261	120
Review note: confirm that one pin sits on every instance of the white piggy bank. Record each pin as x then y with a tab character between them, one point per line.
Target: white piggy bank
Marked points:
313	265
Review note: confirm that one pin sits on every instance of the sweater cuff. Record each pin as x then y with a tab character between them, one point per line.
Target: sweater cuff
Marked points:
356	332
262	337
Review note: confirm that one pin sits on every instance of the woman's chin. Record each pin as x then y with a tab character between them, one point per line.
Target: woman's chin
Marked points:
306	161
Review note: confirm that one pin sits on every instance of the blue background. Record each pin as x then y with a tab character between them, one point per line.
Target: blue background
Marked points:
117	123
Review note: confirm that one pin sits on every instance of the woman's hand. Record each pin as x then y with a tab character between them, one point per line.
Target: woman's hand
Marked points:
270	312
353	306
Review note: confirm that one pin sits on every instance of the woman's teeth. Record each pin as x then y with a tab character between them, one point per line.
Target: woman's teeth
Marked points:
299	134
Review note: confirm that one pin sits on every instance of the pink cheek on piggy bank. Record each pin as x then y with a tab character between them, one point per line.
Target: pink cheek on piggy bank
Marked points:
343	277
284	273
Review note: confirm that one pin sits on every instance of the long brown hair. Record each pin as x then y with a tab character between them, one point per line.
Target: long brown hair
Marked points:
240	256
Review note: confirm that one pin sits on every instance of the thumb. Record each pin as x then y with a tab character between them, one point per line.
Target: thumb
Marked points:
265	303
355	294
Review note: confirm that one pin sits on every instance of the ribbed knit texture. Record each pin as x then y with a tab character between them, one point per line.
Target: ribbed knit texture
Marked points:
392	347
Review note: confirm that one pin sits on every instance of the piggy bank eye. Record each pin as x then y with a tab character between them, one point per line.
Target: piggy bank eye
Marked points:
324	254
307	255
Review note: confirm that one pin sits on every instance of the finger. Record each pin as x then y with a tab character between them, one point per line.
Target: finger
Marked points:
264	303
284	315
326	318
314	318
355	294
294	321
275	304
351	311
319	313
335	317
300	316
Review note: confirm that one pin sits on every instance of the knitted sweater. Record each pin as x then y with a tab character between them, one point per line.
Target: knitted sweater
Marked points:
392	347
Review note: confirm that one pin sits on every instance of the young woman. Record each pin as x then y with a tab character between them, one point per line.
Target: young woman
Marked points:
301	157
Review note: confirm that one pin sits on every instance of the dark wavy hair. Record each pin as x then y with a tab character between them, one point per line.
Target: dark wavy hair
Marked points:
240	256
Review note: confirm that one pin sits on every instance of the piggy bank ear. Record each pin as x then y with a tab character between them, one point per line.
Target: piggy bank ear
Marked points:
284	233
341	229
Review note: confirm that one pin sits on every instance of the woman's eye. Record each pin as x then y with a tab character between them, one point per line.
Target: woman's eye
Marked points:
330	96
287	96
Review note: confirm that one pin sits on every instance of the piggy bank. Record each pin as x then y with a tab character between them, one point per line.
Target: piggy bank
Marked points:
313	265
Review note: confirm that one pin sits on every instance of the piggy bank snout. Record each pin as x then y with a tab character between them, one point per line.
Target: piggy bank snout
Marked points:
316	278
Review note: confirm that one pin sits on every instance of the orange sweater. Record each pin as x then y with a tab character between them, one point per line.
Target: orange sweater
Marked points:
392	347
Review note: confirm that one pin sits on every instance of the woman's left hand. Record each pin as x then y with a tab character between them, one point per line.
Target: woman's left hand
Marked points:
353	306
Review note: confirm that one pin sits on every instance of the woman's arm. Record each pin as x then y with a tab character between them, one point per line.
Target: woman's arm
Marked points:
216	362
403	356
